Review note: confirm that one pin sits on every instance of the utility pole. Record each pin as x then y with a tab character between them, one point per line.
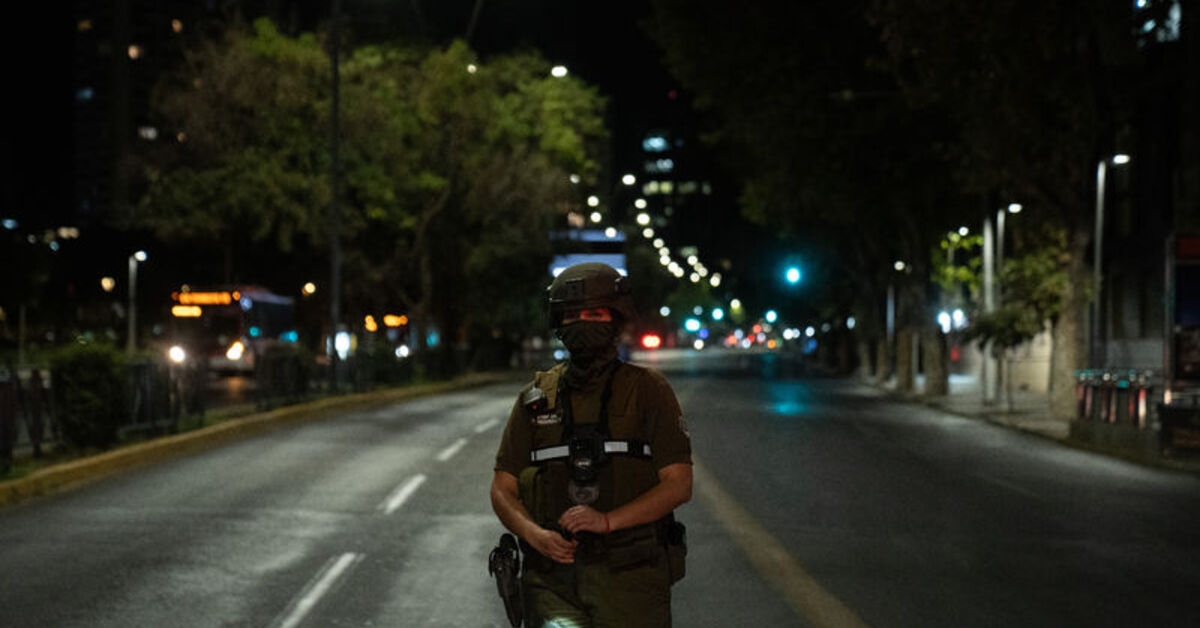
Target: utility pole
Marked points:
335	217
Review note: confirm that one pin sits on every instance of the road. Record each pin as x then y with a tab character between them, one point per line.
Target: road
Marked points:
818	503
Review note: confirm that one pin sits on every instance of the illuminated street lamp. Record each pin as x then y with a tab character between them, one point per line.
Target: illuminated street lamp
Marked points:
131	341
1096	351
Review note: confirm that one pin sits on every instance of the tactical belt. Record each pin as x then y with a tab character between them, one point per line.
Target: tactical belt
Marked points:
562	452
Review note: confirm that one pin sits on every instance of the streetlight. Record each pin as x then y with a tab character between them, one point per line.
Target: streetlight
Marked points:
131	340
1097	349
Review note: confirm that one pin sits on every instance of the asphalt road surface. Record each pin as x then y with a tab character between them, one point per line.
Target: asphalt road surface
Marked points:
817	503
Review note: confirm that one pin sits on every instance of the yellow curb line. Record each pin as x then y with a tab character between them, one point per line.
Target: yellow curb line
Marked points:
801	591
75	473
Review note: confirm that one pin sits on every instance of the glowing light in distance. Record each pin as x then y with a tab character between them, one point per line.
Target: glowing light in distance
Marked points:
593	201
651	341
235	351
177	354
628	179
643	219
558	71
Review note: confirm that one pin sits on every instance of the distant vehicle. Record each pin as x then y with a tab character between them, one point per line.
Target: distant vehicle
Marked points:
228	329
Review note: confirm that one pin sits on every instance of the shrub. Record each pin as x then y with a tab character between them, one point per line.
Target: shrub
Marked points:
89	393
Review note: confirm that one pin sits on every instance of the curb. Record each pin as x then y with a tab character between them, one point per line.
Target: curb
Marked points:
76	473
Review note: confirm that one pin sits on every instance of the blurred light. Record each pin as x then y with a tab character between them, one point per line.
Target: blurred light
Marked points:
108	283
472	68
186	311
664	311
369	324
1120	158
959	319
963	231
402	351
810	331
647	233
695	277
575	179
643	219
640	203
255	331
235	351
703	333
628	179
899	265
134	51
432	339
309	288
593	201
793	275
9	224
176	354
651	341
341	344
692	325
289	336
771	316
140	256
658	243
610	232
697	310
850	322
698	345
1014	208
558	71
718	314
393	320
943	320
596	217
176	26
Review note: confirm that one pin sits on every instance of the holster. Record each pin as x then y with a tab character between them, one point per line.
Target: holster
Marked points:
504	564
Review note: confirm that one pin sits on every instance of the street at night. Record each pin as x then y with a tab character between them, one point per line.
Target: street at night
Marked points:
818	502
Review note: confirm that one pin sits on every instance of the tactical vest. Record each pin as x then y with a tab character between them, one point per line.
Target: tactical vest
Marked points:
620	460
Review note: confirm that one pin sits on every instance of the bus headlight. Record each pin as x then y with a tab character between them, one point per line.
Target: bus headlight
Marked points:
176	354
235	351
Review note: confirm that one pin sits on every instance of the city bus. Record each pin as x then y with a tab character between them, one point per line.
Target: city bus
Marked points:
226	329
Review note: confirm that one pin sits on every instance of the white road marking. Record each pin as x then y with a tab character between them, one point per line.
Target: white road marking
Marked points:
486	425
401	494
317	588
449	452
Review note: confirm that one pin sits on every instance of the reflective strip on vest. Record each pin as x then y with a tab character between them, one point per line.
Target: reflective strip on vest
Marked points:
562	452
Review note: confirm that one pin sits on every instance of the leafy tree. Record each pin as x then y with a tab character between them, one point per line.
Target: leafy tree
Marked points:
825	143
248	162
1035	93
454	169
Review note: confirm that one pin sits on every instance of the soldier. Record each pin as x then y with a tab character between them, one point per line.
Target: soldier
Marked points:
593	462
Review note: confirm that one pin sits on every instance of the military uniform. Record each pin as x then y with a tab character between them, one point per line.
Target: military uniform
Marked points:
618	579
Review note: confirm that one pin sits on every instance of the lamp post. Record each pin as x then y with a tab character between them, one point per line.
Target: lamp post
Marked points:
131	340
1097	350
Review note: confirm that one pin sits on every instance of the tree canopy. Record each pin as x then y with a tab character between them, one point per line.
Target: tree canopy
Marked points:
453	169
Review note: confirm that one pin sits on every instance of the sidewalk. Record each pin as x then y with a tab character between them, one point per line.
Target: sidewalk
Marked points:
1029	412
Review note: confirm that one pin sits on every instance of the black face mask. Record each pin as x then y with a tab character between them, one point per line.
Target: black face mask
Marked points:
592	346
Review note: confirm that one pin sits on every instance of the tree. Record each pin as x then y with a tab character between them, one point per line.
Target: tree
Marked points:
454	169
1035	92
825	143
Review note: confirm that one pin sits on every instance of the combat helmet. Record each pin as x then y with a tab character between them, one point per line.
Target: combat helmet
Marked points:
588	285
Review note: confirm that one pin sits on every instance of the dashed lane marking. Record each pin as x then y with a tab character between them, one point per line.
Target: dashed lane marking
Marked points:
401	494
321	584
449	452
